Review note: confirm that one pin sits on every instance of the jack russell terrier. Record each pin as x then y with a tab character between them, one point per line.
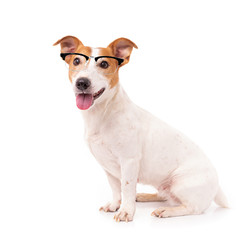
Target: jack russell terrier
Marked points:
132	145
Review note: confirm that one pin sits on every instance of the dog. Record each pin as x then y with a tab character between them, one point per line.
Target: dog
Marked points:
132	145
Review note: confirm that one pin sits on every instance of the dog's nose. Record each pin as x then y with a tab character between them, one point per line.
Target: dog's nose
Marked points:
83	83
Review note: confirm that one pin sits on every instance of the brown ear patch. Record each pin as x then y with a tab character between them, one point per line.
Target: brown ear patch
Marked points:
122	48
68	44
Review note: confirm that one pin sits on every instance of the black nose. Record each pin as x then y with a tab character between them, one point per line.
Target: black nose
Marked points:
83	83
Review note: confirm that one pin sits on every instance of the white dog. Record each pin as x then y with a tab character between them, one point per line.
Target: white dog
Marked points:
132	145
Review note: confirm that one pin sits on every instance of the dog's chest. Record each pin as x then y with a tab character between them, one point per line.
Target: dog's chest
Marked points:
101	148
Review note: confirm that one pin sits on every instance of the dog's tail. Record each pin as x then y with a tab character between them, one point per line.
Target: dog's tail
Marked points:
220	199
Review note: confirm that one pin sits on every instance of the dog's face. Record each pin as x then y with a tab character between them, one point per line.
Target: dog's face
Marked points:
93	72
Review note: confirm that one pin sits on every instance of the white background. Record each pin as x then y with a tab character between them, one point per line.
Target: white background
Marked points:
186	72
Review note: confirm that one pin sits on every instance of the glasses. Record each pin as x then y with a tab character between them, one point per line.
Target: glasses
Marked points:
104	64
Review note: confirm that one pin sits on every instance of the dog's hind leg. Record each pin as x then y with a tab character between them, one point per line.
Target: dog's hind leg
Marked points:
149	197
193	192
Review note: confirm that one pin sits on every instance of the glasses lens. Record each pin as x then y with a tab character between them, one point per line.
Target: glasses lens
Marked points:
107	65
75	62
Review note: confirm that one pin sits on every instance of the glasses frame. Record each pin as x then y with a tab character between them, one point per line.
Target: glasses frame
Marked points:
64	55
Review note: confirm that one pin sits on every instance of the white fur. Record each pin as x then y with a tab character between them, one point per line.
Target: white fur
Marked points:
134	146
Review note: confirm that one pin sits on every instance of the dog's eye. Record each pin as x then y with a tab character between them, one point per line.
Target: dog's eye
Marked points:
104	64
76	61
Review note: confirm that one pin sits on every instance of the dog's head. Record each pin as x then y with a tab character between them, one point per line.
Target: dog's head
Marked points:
93	72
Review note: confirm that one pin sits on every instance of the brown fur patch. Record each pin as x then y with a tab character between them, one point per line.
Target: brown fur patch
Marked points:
81	49
113	79
121	47
148	197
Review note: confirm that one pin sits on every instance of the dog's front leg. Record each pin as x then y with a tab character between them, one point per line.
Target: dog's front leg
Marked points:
116	191
129	175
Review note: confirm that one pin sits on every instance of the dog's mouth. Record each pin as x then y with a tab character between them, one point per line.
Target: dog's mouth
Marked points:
85	100
98	94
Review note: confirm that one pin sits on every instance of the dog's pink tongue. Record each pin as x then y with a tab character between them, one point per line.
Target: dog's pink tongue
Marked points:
84	101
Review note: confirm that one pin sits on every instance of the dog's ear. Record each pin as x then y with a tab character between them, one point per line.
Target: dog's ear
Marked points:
122	48
69	44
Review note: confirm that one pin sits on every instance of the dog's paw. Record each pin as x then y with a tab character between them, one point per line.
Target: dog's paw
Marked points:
110	207
124	215
160	212
164	212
